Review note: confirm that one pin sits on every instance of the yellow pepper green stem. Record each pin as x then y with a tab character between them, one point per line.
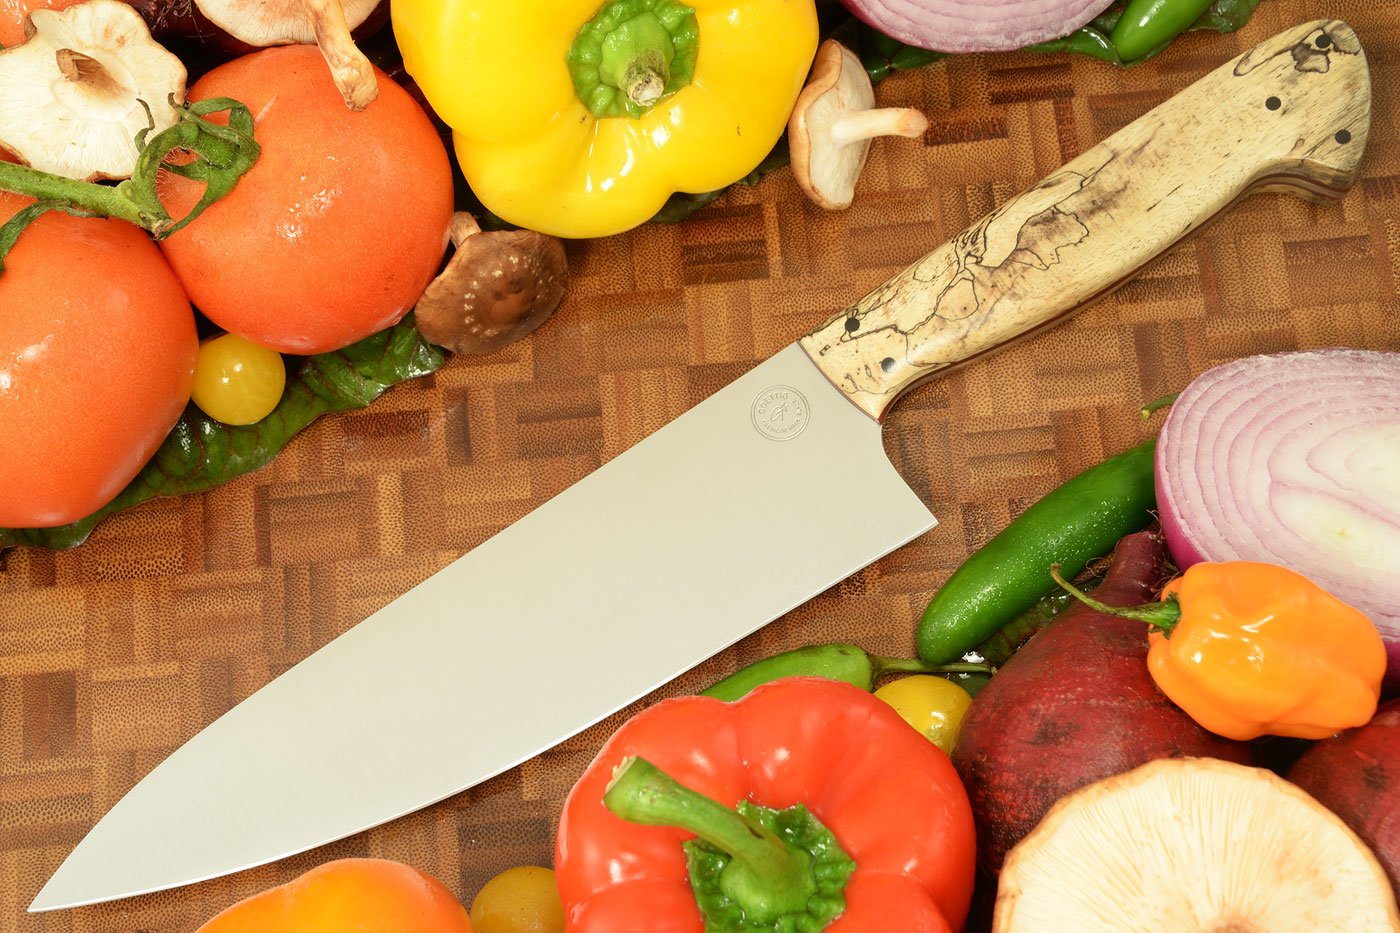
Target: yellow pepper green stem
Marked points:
522	84
632	55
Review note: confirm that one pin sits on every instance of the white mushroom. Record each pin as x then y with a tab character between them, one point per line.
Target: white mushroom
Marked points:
327	23
71	94
497	287
833	122
1193	846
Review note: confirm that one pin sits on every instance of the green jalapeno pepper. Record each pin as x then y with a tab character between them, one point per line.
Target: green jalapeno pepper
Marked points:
1072	525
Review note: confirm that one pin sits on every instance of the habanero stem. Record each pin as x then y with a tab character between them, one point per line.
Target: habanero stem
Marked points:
223	155
1161	616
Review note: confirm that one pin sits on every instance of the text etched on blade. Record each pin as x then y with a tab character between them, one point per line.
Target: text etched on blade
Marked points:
780	413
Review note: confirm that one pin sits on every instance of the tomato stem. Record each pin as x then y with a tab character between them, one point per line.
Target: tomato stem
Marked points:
224	154
55	189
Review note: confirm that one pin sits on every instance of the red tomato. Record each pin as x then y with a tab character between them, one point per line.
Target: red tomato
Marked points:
97	353
336	230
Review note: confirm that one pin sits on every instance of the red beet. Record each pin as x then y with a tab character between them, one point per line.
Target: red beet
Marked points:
1356	775
1073	706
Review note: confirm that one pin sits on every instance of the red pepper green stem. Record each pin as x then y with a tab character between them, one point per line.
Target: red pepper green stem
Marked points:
632	54
1162	616
780	869
224	154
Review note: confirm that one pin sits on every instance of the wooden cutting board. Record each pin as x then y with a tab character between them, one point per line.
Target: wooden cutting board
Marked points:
115	653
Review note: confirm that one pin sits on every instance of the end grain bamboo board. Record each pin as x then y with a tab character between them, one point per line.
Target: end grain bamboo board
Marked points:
113	654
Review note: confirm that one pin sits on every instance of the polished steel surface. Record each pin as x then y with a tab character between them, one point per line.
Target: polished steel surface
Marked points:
762	496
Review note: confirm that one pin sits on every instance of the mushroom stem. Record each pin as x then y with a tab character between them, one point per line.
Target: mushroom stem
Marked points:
887	121
463	226
351	71
85	69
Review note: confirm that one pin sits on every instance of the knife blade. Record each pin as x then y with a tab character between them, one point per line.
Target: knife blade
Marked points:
760	497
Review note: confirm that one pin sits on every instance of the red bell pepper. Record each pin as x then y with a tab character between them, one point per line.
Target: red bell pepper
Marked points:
889	796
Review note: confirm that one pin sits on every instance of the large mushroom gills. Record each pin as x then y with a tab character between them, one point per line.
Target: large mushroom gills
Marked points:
1193	845
497	287
75	94
833	123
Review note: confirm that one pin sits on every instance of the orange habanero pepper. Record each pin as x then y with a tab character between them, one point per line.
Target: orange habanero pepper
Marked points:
349	894
1249	649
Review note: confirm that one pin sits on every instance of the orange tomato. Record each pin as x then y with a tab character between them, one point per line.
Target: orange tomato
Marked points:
370	895
97	353
13	12
336	230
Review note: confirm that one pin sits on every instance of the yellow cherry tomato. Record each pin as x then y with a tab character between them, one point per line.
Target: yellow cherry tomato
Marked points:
933	705
519	900
237	382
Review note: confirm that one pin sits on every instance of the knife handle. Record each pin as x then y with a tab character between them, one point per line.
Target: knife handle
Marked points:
1290	114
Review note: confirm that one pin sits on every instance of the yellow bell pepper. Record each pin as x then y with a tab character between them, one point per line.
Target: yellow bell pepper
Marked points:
679	98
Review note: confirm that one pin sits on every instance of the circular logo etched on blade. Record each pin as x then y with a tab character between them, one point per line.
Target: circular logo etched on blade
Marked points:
780	413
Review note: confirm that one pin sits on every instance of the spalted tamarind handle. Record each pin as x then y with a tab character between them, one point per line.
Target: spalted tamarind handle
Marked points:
1291	113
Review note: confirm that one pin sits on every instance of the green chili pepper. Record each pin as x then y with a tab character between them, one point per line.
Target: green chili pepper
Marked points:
1072	525
835	662
1148	25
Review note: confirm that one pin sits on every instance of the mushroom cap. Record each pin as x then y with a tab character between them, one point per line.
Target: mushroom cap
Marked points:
498	287
1195	845
70	94
262	23
828	170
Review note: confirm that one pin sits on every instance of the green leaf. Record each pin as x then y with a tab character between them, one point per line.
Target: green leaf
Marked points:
201	453
880	54
1226	15
1106	20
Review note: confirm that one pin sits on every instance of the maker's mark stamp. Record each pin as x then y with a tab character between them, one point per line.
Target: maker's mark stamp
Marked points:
780	413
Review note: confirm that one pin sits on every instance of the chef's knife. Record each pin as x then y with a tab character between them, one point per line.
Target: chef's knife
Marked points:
765	494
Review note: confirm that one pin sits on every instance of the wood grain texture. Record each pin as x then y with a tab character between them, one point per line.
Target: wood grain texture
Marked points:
113	654
1291	114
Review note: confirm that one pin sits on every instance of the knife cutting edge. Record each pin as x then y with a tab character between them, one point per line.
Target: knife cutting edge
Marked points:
765	494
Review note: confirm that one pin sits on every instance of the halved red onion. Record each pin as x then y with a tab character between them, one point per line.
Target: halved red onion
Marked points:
1292	459
976	25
